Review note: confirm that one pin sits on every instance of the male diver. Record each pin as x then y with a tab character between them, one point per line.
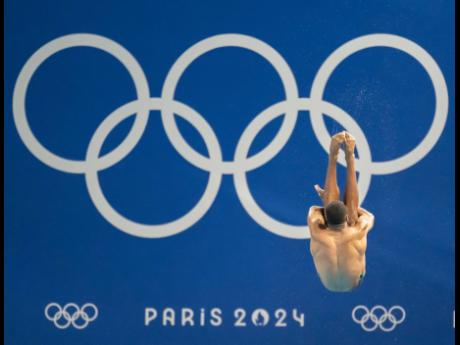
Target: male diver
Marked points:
339	229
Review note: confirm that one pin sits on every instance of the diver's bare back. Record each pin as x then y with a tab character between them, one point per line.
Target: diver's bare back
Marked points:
339	256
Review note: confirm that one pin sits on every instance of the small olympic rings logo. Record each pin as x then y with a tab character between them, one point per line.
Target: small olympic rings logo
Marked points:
378	316
71	314
243	162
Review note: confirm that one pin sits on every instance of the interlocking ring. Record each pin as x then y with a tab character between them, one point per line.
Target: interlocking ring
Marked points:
376	320
71	313
214	164
31	66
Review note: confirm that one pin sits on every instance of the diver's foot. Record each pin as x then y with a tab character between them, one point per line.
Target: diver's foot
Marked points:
336	142
349	143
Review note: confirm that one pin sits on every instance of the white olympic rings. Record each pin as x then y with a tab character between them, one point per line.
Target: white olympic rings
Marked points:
214	164
70	313
378	321
20	91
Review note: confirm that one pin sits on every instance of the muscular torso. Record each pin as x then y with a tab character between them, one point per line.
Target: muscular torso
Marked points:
339	255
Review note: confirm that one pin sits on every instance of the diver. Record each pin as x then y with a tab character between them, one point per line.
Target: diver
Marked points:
339	228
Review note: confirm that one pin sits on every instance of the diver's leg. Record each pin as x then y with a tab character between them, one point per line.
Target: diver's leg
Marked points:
351	196
331	190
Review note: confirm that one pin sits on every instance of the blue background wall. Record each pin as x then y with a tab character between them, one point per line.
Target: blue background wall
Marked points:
59	248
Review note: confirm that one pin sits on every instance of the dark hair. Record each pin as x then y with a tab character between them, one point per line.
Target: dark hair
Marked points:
336	213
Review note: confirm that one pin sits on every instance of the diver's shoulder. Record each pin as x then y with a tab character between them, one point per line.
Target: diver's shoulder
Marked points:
315	210
316	214
315	207
363	211
365	219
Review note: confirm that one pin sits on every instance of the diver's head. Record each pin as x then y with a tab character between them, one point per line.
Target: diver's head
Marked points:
336	215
